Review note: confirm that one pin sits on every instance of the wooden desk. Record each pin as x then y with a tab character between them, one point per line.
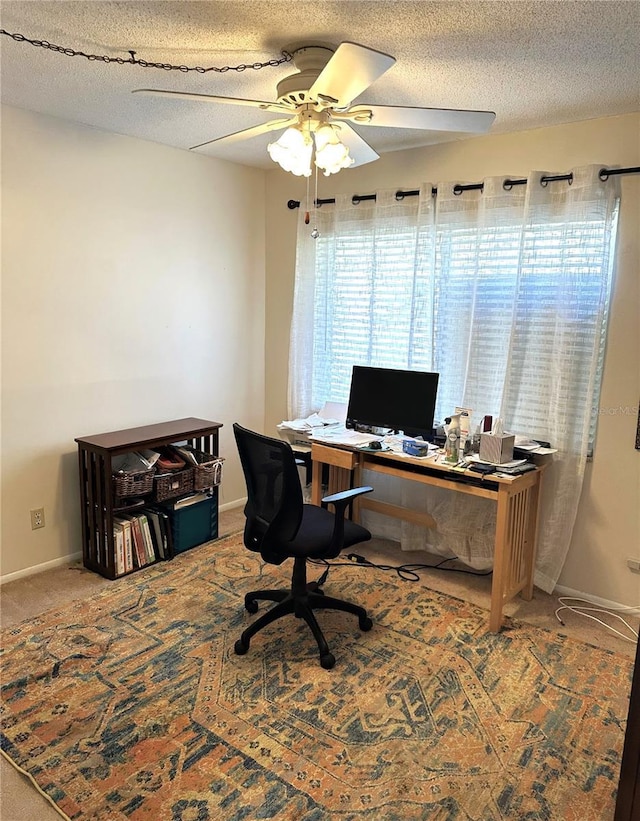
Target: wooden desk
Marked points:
517	500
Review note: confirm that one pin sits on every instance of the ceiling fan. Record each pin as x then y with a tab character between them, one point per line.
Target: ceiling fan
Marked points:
317	107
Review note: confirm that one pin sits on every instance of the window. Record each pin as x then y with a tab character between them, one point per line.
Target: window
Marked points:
505	298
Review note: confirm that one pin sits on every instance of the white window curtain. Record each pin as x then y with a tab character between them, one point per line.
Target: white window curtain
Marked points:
504	292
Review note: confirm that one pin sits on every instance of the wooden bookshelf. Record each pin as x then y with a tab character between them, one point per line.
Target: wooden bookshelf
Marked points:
97	503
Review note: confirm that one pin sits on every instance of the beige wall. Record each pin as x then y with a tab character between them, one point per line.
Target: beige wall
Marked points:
608	528
132	293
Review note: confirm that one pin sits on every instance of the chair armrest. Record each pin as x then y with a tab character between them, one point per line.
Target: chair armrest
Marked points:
347	495
341	501
344	498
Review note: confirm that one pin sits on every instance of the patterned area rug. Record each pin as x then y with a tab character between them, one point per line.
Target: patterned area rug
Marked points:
132	705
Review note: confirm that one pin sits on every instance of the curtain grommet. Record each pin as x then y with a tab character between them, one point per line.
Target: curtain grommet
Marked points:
457	190
399	196
603	174
507	185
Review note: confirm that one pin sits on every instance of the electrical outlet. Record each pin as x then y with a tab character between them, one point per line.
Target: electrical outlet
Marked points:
37	518
633	564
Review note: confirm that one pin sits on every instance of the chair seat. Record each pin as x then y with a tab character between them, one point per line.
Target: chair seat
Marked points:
315	533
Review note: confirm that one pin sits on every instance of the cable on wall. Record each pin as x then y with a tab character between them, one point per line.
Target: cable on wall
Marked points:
508	184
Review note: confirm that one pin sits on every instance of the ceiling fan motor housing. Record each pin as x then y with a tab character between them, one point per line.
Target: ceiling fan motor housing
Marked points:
309	60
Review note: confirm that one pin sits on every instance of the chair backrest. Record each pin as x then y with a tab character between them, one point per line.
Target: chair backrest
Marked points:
274	494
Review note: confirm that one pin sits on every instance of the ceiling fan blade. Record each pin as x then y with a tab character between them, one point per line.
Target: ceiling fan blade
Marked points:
278	108
428	119
247	133
360	150
350	71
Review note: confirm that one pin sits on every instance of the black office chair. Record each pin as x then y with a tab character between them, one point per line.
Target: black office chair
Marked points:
280	526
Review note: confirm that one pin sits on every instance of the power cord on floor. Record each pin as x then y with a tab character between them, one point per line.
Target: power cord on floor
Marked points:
582	610
407	572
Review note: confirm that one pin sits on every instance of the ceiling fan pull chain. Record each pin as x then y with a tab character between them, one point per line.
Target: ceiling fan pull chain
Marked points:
70	52
315	233
306	213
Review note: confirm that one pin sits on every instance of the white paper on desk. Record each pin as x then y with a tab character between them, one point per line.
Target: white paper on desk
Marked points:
342	436
310	423
522	443
512	464
333	413
526	445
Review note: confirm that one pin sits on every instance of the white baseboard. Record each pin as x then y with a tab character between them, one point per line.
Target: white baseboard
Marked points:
40	568
233	505
560	590
75	557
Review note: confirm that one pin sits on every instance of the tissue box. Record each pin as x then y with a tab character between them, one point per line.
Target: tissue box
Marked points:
496	448
415	447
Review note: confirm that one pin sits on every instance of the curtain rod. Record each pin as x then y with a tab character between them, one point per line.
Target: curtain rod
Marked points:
508	184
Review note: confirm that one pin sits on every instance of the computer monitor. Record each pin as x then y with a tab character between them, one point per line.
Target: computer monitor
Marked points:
390	399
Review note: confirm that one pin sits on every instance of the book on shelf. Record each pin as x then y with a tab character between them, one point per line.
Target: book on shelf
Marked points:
167	533
146	536
140	558
118	546
125	524
156	533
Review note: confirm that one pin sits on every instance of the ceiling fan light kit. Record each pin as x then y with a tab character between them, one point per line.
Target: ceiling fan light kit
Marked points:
294	150
316	102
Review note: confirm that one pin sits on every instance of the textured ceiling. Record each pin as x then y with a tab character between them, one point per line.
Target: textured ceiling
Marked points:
534	63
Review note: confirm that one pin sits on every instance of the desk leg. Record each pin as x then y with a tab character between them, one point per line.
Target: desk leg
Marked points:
515	547
535	495
356	513
500	560
316	483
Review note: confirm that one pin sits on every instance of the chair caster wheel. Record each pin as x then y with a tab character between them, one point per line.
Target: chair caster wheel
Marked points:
366	624
240	647
251	605
327	661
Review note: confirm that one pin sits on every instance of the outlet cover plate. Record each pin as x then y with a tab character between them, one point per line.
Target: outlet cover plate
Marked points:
37	518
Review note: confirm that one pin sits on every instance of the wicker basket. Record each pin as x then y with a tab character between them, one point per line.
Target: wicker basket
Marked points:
170	485
133	483
208	471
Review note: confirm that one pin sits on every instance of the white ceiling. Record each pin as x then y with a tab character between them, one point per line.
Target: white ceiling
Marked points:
534	63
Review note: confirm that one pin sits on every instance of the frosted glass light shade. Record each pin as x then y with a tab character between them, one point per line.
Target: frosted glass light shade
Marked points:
331	154
293	152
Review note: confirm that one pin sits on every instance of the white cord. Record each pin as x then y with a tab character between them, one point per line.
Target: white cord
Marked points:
581	610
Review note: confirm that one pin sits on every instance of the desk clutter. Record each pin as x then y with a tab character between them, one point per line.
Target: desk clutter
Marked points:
488	450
